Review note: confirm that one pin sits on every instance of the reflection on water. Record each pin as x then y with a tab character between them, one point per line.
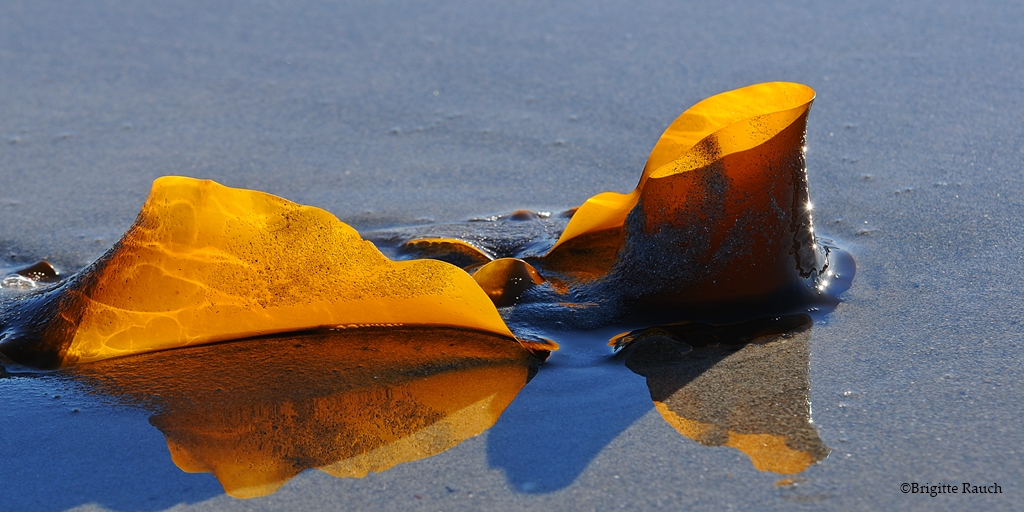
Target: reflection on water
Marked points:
745	386
256	414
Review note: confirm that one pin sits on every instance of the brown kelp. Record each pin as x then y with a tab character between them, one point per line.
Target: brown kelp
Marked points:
720	213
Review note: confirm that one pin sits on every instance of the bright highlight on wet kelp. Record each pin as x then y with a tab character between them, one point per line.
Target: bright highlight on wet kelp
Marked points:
721	211
353	362
206	263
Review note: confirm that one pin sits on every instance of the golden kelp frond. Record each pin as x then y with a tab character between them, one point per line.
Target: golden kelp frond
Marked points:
716	127
504	280
745	386
457	252
741	119
720	214
347	402
206	263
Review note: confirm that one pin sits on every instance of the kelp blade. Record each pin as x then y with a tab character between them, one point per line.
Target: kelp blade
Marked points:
720	214
782	101
505	279
350	402
457	252
206	263
739	119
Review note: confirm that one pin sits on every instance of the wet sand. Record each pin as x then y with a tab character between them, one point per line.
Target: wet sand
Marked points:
397	114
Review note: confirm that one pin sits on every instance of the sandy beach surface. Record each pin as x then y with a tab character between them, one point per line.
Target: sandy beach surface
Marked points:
392	114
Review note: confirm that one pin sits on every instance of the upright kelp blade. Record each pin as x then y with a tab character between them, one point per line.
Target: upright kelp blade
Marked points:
745	386
206	263
720	213
349	402
782	101
739	119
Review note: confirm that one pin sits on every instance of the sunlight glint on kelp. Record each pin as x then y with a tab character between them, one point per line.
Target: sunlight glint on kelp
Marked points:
206	263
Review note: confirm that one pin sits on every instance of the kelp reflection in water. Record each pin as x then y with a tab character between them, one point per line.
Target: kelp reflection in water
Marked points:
258	413
745	386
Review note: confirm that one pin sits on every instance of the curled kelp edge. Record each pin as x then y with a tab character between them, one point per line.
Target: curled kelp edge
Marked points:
739	120
205	263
